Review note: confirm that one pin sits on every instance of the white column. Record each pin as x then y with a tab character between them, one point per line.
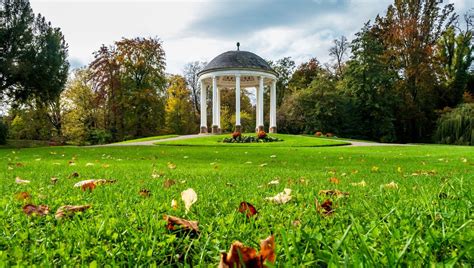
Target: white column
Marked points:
257	105
203	106
214	101
218	108
260	106
273	106
237	100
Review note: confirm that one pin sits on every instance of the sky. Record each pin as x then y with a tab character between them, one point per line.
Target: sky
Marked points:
199	30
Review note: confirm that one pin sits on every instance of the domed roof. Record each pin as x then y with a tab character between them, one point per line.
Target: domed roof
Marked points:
237	59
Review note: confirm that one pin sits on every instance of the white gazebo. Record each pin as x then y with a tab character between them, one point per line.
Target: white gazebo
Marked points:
235	70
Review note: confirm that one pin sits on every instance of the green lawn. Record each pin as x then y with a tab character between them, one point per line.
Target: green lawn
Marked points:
150	138
427	220
288	141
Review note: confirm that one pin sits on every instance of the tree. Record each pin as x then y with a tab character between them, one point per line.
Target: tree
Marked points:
284	68
455	56
410	31
81	114
16	36
106	83
190	72
179	114
305	74
142	62
33	62
369	83
338	52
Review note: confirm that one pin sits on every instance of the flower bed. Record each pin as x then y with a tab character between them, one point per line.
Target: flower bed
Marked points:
261	136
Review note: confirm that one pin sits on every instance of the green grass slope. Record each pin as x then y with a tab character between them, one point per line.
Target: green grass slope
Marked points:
426	220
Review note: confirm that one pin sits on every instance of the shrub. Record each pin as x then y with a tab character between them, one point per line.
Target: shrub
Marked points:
3	133
456	126
261	137
99	136
329	134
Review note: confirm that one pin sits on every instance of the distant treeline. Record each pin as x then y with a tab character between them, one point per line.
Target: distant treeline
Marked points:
406	77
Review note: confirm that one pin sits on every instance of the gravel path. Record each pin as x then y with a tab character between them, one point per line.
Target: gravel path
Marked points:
148	143
184	137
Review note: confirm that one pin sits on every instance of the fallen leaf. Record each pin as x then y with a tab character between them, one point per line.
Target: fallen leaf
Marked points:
361	183
19	164
399	169
174	204
144	192
281	198
189	197
171	165
263	165
248	209
20	181
375	169
325	208
89	164
248	162
23	196
168	183
54	180
174	222
274	182
391	185
40	210
240	255
79	184
67	211
74	175
336	193
334	180
273	156
88	186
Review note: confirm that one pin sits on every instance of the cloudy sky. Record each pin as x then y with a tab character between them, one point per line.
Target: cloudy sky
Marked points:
201	29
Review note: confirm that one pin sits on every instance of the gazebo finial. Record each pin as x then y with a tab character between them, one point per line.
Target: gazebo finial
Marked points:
238	46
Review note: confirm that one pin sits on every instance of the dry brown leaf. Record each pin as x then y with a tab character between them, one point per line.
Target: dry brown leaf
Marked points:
40	210
23	196
189	197
173	223
240	255
336	193
334	180
391	185
325	208
248	209
174	204
67	211
281	198
168	183
145	193
18	180
74	175
54	180
19	164
361	183
171	165
88	186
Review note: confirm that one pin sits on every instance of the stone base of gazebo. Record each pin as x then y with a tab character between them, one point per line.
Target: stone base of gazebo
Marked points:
259	128
216	130
273	130
203	130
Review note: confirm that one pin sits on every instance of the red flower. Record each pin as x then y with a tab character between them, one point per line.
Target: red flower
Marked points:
236	135
261	134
